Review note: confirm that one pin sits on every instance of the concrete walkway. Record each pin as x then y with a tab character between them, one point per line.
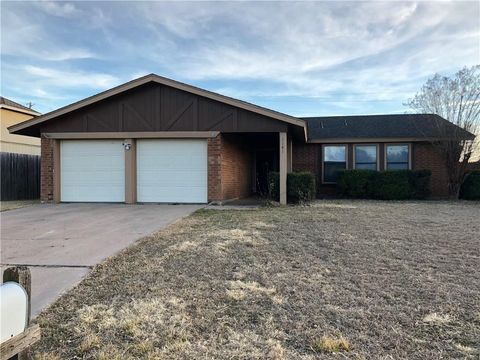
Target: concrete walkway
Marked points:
61	243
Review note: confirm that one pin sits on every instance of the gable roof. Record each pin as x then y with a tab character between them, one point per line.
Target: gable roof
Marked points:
316	129
366	127
164	81
14	106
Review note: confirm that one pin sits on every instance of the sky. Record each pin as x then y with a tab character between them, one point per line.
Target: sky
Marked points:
300	58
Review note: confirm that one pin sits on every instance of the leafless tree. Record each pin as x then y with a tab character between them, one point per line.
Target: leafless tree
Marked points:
456	99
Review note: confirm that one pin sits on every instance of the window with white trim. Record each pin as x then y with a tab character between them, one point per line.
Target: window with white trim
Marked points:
366	157
334	159
398	157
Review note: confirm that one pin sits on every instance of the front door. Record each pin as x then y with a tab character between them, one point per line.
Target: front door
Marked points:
266	162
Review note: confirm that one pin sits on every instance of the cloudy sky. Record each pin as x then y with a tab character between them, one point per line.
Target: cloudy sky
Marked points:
304	59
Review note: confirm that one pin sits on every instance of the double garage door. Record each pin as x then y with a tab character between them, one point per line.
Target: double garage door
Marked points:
171	171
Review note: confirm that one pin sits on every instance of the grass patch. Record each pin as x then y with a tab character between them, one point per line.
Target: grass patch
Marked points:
397	279
331	344
89	342
16	204
435	318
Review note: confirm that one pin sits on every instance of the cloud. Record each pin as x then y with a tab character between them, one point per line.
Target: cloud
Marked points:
57	8
298	57
367	51
69	79
29	39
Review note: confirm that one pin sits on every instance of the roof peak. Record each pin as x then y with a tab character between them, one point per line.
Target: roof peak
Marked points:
165	82
7	103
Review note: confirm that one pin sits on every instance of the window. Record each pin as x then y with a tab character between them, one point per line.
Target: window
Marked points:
366	157
398	157
334	159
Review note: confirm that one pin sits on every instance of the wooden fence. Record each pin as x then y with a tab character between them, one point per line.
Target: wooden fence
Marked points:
19	176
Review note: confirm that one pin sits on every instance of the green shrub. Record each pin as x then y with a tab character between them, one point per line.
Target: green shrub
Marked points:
470	189
420	183
300	186
385	185
353	183
274	185
390	185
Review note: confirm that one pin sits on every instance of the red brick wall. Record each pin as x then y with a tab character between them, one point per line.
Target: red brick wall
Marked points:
307	157
46	170
215	168
229	168
425	156
236	167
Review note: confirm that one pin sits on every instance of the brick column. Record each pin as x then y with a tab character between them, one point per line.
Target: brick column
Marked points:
46	169
215	168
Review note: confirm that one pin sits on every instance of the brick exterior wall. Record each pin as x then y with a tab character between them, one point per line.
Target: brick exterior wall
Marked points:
425	156
305	157
236	168
46	170
229	168
308	157
215	168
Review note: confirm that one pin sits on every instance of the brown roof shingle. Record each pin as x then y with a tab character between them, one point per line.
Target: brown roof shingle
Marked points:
382	126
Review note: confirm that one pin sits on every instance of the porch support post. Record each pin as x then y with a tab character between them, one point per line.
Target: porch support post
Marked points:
283	168
289	154
131	172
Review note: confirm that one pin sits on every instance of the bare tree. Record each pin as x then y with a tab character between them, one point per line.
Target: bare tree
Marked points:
456	99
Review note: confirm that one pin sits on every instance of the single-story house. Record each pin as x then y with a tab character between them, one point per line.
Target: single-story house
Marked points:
158	140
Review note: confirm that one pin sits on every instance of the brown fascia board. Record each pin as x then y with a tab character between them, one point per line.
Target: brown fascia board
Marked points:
164	81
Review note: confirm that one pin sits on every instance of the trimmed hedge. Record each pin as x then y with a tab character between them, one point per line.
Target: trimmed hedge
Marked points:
300	186
385	185
420	184
390	185
470	189
354	183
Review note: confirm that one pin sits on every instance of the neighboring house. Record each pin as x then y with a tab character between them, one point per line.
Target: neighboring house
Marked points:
157	140
12	113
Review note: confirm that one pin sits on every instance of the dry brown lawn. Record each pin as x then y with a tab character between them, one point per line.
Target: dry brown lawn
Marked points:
16	204
337	279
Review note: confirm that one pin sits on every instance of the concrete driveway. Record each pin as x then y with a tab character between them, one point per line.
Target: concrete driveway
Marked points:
61	243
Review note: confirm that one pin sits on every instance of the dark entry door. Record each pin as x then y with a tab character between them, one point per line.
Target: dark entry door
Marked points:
266	162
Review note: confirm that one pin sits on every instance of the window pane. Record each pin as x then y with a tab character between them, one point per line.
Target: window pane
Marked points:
330	171
366	154
397	153
397	166
369	166
334	153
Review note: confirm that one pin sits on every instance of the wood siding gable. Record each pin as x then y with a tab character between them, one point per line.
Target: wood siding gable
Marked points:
157	107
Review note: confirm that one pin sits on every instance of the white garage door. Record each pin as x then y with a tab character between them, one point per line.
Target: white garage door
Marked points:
172	171
92	170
